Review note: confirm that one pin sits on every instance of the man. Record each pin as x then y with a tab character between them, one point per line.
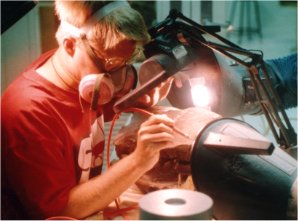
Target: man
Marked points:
52	142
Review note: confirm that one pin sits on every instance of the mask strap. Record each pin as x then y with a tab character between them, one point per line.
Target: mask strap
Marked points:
102	12
97	16
95	95
91	53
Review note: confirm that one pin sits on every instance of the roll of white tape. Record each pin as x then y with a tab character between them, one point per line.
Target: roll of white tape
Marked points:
176	204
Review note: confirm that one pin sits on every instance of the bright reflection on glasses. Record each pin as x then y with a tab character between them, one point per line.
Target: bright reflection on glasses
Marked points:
113	64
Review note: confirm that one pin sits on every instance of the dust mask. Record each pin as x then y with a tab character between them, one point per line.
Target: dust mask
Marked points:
100	89
97	86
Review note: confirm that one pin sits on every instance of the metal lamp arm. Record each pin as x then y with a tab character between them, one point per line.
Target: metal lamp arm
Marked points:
266	94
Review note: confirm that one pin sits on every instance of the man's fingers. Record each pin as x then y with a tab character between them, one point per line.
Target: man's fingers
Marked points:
155	128
159	118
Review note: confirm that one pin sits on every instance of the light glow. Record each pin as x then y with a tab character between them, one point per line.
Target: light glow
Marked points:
200	93
200	96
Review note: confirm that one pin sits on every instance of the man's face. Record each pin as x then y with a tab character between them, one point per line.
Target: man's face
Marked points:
98	61
119	77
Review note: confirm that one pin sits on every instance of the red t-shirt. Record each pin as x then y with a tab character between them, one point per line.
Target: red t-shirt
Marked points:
43	132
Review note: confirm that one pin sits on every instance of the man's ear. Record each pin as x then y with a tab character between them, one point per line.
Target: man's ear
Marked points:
69	45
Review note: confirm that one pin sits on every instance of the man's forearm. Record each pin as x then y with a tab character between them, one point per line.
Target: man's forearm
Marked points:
95	194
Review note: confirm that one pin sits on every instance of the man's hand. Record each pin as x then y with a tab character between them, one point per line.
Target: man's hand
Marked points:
154	135
161	91
179	78
155	95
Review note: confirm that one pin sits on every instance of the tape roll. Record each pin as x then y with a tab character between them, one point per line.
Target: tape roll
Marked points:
176	204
